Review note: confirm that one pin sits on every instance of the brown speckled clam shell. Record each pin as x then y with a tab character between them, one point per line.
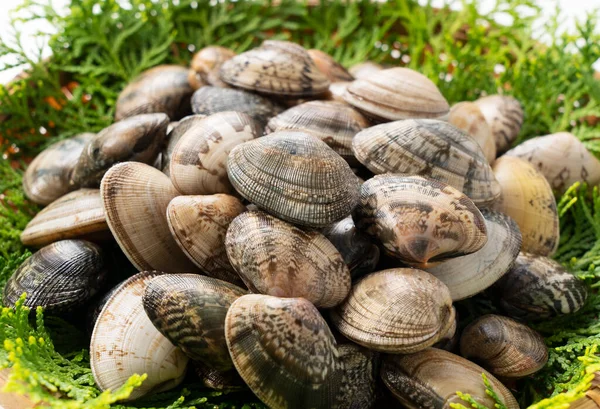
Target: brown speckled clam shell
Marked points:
178	130
468	117
504	114
206	64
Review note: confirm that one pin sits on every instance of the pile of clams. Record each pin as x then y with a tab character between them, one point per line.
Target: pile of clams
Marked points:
304	231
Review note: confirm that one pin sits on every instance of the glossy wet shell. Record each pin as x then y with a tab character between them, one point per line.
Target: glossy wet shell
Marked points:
361	372
364	69
276	258
173	137
284	351
430	148
206	64
199	160
160	89
399	310
294	176
468	275
538	287
528	199
335	123
78	214
125	342
47	177
59	277
397	93
138	138
503	346
429	379
562	158
419	221
278	68
504	114
333	70
468	117
190	310
199	225
211	100
135	199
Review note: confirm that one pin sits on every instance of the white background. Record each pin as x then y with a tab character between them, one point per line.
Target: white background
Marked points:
572	9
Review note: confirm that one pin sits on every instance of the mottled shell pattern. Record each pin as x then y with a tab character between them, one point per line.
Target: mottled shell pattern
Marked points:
78	214
333	70
431	148
503	346
179	129
399	310
206	64
419	221
504	114
277	258
468	117
361	372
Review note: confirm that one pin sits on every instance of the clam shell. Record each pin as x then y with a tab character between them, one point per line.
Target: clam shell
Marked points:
333	70
337	91
164	88
138	138
206	64
199	160
538	287
450	339
190	310
179	129
199	225
294	176
468	117
59	277
397	311
468	275
562	158
361	372
219	380
124	342
505	117
365	69
430	148
284	351
503	346
276	258
334	123
277	68
75	215
419	221
430	379
397	93
135	197
528	199
47	177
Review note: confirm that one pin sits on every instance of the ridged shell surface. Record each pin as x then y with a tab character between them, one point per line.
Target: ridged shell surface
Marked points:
206	64
284	351
333	70
179	129
419	221
430	148
277	258
468	117
125	342
135	197
361	372
75	215
397	311
397	93
468	275
504	114
294	176
199	160
278	68
219	380
199	225
430	379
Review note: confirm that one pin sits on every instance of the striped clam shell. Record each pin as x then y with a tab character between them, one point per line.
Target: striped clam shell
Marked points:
178	129
333	70
468	117
504	114
206	64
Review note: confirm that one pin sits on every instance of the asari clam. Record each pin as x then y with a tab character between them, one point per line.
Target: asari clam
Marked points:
562	158
538	287
199	224
468	275
59	277
198	161
419	221
205	66
277	68
294	176
47	177
397	93
528	199
276	258
431	378
468	117
335	123
284	351
160	89
179	129
399	310
430	148
364	69
78	214
333	70
124	342
503	346
505	117
138	138
361	372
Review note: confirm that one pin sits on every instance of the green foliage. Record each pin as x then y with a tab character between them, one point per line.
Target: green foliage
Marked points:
489	390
